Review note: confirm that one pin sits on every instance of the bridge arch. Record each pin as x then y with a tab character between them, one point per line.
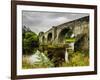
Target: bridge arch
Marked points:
43	39
49	37
63	34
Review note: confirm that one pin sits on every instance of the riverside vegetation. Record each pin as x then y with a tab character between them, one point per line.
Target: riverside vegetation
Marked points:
33	58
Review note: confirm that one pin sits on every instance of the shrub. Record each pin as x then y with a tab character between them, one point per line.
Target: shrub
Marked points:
77	59
30	42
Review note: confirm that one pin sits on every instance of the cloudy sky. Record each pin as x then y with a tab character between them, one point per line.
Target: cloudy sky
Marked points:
43	21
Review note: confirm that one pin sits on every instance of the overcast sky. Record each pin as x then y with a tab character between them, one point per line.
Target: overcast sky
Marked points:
43	21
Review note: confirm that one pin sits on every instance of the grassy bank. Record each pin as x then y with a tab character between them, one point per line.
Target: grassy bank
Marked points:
77	59
42	63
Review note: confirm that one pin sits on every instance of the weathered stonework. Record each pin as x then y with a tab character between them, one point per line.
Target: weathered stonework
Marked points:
79	28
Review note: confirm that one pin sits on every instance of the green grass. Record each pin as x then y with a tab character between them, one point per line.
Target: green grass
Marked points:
69	40
41	64
77	59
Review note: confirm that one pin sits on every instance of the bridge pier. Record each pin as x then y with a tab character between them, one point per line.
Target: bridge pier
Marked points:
66	56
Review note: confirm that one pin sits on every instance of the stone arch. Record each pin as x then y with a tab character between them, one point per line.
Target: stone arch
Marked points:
43	39
41	33
49	37
63	33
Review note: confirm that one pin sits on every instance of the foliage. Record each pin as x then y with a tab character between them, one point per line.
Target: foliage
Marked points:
42	63
69	40
77	59
30	41
27	65
68	34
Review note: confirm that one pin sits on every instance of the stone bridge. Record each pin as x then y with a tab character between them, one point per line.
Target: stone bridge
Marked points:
54	42
78	29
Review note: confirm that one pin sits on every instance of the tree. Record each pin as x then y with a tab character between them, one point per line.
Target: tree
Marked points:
30	41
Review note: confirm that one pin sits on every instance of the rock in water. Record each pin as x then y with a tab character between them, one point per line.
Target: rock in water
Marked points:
35	57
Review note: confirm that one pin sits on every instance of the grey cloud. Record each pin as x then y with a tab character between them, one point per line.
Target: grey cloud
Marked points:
42	21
